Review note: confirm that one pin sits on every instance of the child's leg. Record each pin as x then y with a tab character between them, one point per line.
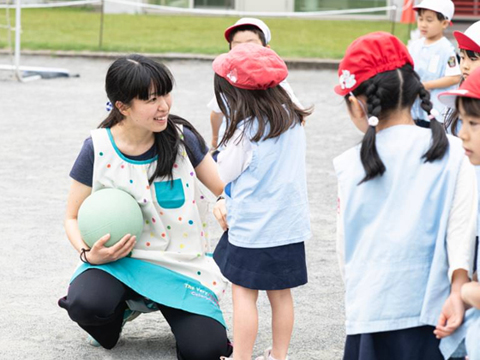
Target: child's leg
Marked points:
245	321
282	321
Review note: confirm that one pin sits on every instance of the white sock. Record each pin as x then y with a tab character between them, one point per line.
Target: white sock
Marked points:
270	357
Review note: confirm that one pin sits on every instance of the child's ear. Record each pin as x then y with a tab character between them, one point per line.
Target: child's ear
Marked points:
267	46
445	24
355	108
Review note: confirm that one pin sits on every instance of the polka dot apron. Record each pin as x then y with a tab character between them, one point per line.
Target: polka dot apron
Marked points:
171	262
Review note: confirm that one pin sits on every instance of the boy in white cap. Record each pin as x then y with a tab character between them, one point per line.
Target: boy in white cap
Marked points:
245	30
434	56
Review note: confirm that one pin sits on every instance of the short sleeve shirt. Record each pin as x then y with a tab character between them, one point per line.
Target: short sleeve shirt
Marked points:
432	62
82	170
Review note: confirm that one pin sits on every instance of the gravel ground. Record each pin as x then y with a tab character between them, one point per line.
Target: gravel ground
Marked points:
43	124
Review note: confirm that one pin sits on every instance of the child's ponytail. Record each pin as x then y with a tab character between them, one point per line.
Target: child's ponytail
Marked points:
369	156
439	138
386	93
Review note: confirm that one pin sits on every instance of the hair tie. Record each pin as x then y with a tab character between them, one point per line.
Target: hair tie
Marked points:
373	121
83	256
108	106
433	114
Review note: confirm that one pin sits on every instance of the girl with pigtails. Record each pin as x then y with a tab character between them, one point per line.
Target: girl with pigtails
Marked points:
407	211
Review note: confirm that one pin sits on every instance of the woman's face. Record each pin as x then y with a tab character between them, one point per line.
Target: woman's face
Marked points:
470	135
468	65
150	114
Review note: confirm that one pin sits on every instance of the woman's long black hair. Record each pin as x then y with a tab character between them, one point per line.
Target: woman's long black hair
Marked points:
133	77
272	107
386	93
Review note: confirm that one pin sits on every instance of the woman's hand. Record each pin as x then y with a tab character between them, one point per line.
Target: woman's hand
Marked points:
220	213
99	254
451	316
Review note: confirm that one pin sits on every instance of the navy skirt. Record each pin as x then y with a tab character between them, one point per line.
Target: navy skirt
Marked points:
274	268
417	343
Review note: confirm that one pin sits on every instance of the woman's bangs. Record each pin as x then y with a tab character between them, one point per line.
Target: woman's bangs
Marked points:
161	81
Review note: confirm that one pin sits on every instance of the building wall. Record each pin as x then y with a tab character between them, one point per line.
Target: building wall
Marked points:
265	5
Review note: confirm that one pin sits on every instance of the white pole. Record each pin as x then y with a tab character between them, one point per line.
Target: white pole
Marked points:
18	29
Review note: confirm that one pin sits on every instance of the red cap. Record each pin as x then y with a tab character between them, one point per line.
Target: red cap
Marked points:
252	67
368	56
465	43
470	88
470	39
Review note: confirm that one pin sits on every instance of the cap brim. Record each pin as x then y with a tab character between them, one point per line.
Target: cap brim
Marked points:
233	27
217	64
342	92
449	98
418	7
466	43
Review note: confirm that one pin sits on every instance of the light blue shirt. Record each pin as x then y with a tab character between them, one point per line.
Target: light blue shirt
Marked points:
267	205
433	62
396	266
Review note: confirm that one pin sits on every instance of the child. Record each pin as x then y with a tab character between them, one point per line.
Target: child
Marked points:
469	45
467	100
407	209
156	157
245	30
434	56
263	165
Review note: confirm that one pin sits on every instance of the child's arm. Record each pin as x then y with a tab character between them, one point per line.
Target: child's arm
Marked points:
236	157
462	221
340	236
98	254
443	82
453	310
471	294
452	74
461	233
216	121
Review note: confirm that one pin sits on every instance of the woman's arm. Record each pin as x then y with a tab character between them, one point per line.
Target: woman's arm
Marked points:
98	254
207	173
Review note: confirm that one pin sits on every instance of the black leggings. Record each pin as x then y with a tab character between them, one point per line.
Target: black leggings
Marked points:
96	301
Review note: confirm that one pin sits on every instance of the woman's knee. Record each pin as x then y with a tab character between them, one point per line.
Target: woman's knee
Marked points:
87	312
205	350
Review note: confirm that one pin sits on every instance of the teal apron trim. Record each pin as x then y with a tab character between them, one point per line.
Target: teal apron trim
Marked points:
162	285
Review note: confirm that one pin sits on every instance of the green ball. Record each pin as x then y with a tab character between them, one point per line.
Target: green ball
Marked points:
109	211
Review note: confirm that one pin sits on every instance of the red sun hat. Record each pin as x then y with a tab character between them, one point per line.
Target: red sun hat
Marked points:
368	56
252	67
470	39
470	88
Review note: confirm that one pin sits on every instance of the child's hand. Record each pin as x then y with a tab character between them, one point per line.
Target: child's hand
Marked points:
99	254
471	294
451	316
220	213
